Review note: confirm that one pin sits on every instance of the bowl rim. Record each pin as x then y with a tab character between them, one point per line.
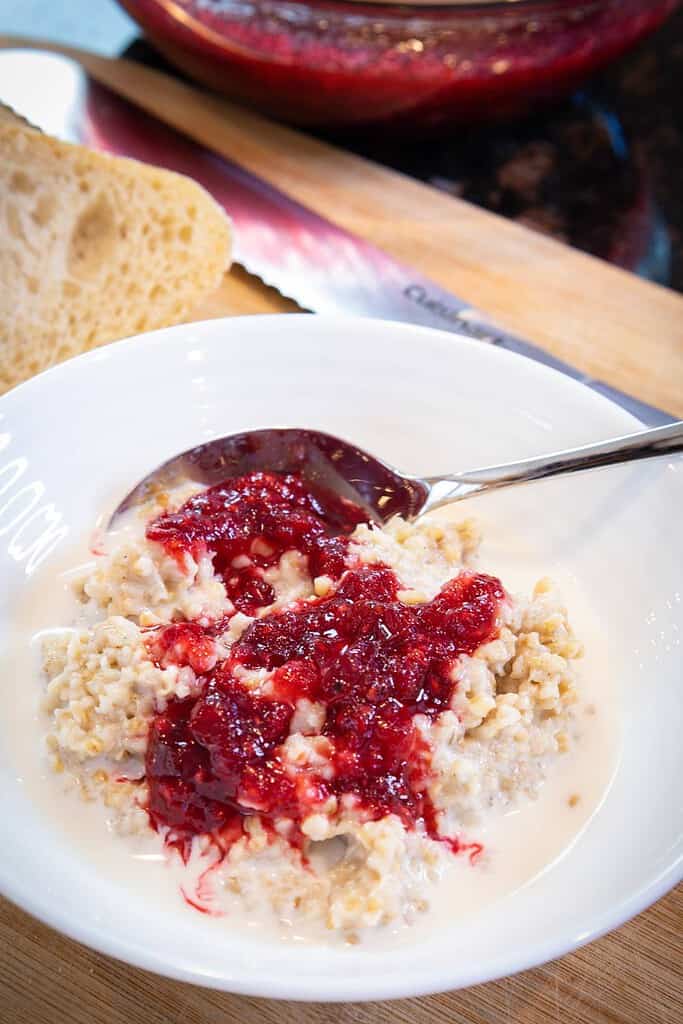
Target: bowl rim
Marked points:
176	11
344	990
187	25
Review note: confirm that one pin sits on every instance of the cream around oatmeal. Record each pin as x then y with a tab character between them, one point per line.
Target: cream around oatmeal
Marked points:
326	719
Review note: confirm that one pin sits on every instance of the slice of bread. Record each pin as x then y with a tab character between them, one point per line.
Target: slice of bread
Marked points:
94	248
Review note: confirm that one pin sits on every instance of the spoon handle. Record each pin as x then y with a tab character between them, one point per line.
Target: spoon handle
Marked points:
646	444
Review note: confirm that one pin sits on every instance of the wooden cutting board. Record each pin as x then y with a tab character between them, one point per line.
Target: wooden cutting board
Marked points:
604	321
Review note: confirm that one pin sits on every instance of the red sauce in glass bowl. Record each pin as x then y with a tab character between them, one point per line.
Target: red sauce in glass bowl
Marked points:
350	63
370	662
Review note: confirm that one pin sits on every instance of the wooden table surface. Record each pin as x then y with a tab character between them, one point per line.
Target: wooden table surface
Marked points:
628	332
632	975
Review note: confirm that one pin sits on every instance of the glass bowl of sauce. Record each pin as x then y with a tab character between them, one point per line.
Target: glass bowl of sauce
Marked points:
348	63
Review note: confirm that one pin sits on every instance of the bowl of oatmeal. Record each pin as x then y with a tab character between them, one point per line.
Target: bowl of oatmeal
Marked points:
291	753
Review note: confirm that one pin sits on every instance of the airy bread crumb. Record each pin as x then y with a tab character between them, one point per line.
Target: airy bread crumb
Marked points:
94	248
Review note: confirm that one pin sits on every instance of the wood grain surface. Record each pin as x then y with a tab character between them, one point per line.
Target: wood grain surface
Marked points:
632	976
628	332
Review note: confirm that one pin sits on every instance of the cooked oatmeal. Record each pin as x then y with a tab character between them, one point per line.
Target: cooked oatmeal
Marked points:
326	720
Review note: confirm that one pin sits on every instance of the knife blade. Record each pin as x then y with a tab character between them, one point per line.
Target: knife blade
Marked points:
323	267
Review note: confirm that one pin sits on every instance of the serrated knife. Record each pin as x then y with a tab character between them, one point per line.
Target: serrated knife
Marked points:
324	268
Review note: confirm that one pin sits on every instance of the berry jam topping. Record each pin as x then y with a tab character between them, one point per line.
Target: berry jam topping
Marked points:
182	643
369	662
247	523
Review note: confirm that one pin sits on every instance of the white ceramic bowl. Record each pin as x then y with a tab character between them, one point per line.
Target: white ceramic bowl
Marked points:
79	435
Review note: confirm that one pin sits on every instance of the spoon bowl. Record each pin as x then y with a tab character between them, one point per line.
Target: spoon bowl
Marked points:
345	477
330	467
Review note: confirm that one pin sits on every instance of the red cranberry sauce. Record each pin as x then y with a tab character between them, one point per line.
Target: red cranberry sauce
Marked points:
183	643
372	662
249	522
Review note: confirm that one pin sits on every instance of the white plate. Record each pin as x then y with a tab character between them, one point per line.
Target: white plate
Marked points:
79	435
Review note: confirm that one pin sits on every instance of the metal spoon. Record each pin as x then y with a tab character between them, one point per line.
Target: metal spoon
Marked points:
329	464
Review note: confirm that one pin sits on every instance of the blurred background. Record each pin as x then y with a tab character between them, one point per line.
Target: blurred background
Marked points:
565	116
